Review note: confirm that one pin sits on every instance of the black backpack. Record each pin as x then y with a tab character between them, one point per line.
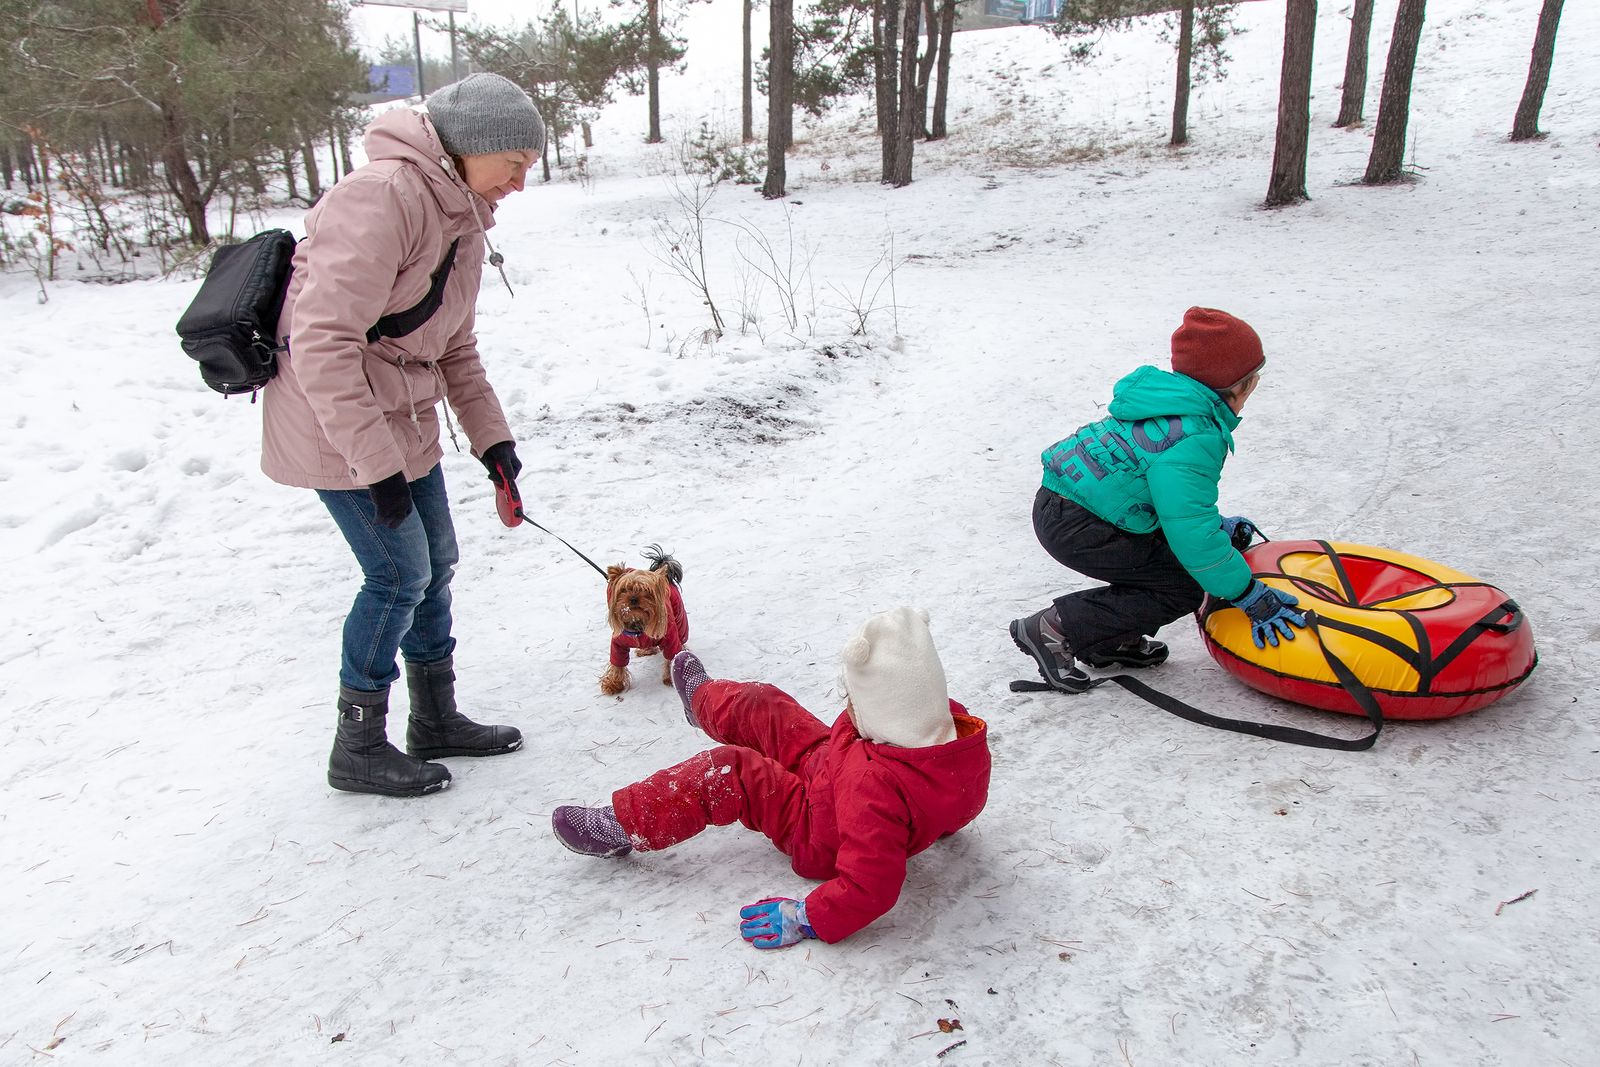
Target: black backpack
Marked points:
231	325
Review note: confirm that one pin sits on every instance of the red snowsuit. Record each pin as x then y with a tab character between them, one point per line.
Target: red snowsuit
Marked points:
671	642
842	808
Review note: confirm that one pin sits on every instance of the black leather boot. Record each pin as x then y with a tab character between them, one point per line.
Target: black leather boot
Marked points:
363	760
437	728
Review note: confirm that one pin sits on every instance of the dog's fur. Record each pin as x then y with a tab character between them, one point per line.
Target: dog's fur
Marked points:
646	614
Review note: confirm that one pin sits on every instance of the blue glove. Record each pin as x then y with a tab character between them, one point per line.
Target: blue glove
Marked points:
776	922
1240	530
1270	613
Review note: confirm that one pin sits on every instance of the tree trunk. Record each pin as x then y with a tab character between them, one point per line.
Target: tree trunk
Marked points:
180	175
941	95
786	113
1180	98
1394	105
308	158
909	121
930	56
1353	103
174	152
747	108
107	158
886	36
653	68
289	176
253	178
779	90
47	221
1288	183
1526	125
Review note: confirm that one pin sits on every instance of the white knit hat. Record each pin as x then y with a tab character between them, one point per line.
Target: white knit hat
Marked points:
895	681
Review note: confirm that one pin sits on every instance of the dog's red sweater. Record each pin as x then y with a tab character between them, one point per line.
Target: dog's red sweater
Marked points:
672	641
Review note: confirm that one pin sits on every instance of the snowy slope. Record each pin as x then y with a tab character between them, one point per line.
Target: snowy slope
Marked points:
183	887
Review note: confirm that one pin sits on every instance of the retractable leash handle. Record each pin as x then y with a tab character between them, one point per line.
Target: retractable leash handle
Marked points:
507	501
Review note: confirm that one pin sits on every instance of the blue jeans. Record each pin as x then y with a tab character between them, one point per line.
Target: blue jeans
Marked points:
404	601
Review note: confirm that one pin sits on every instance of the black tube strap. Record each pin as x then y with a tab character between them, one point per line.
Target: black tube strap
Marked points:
1272	732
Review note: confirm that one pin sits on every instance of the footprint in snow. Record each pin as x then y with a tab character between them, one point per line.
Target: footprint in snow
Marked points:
130	459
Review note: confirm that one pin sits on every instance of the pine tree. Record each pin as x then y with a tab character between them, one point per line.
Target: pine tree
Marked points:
1526	125
1288	182
1394	105
1352	103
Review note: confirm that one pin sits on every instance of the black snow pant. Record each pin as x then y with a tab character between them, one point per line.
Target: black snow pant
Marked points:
1149	587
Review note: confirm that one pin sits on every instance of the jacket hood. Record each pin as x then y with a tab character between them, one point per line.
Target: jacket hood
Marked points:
407	136
970	731
1150	392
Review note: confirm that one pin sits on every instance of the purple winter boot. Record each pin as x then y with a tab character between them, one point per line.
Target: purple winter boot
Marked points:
688	674
590	831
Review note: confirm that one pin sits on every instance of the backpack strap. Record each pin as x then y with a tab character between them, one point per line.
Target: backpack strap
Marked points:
411	319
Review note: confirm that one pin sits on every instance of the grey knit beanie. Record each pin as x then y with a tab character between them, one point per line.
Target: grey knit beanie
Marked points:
485	113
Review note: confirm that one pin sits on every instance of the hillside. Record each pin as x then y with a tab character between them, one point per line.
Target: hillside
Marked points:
1139	890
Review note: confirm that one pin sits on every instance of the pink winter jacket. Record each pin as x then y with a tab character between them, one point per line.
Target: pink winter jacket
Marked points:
342	413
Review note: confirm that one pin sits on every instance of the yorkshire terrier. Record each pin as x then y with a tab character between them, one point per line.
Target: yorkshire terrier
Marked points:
646	614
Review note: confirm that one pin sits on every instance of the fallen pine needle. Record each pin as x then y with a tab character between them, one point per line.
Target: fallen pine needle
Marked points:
165	944
1523	896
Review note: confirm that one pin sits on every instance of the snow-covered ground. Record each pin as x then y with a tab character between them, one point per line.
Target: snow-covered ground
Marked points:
180	884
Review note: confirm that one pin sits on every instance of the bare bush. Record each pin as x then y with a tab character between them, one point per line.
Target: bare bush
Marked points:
680	244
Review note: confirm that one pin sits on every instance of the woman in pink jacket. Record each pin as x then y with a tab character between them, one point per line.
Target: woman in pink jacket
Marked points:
379	327
903	767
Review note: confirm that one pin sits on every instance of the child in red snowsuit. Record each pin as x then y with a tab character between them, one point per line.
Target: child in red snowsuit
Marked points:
902	767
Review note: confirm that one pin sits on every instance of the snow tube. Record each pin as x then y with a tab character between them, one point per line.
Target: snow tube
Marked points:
1427	641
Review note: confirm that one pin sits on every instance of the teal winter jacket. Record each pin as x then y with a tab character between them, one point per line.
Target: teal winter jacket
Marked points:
1154	465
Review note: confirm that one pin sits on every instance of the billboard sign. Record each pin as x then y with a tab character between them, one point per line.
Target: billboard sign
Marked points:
392	80
421	5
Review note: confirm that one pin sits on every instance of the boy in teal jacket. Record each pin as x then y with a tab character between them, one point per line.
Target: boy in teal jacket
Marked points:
1131	500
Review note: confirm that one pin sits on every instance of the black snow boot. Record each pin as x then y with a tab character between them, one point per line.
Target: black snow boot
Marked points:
1039	636
363	760
1140	652
437	728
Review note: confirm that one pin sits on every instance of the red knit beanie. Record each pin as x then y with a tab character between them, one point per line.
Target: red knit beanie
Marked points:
1215	348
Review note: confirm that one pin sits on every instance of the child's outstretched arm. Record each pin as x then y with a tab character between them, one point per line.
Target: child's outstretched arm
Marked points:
874	841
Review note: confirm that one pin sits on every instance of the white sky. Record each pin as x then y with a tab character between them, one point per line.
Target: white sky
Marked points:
374	23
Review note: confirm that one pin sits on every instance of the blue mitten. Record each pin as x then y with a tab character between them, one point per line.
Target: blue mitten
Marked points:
1270	613
776	922
1240	530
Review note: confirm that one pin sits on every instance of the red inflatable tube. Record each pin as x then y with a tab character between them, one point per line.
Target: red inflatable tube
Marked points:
1428	642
